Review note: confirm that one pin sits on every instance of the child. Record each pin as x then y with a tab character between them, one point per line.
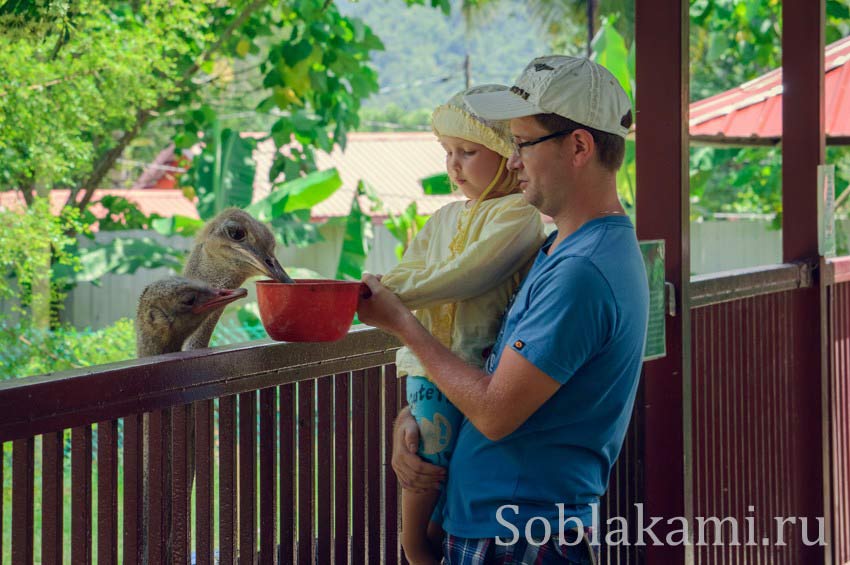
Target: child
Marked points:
458	275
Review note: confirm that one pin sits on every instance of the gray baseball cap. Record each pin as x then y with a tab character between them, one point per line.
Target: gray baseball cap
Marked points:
573	87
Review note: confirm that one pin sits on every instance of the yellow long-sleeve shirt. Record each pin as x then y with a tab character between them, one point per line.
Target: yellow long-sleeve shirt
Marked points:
460	289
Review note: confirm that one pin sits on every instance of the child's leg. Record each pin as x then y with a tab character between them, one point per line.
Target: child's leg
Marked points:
416	509
438	421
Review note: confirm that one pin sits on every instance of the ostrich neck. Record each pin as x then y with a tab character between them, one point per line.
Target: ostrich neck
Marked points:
201	338
204	267
148	344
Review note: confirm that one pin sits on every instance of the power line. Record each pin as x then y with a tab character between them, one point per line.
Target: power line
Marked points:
415	83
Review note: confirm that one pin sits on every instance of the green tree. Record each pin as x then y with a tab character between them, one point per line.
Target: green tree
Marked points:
87	79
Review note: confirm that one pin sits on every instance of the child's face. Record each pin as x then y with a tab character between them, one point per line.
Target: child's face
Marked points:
471	166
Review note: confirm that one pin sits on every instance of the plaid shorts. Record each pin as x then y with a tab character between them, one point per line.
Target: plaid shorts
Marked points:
464	551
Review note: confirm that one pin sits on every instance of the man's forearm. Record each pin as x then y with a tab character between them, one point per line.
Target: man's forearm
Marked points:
466	386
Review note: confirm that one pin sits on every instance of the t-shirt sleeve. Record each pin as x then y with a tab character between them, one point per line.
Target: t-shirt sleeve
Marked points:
510	237
569	319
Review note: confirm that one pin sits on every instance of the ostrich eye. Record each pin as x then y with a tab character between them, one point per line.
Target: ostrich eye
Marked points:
236	233
189	300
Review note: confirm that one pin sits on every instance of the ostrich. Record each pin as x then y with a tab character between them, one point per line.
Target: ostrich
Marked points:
232	247
169	311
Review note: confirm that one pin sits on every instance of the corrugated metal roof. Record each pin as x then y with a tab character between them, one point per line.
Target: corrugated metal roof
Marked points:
165	202
752	112
391	163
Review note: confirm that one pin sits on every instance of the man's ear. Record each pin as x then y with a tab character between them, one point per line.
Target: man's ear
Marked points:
583	147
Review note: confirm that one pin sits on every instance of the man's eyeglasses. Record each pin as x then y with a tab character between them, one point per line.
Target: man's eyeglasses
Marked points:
518	146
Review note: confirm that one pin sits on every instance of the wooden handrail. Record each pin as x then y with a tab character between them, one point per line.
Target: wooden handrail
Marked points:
53	402
715	288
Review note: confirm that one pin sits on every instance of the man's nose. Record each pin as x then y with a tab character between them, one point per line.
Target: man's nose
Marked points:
515	162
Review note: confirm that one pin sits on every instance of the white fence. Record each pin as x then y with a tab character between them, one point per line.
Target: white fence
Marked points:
715	246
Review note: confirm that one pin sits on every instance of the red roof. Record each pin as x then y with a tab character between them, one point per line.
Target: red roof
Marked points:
165	202
391	163
752	113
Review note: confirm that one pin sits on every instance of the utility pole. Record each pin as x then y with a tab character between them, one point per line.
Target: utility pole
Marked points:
467	71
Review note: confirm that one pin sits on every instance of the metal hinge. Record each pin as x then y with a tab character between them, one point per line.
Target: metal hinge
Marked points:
670	298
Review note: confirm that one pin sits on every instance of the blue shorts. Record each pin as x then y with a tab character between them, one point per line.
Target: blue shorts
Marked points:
438	420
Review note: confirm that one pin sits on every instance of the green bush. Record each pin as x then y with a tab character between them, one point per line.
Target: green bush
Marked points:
26	351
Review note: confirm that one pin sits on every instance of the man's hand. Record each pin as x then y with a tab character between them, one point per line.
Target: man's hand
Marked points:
413	473
383	309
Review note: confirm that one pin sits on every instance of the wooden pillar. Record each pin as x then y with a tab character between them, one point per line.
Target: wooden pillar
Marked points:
661	42
803	149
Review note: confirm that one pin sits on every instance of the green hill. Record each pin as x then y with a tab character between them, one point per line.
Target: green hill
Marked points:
425	50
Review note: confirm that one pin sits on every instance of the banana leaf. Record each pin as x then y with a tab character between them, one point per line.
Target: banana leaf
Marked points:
299	194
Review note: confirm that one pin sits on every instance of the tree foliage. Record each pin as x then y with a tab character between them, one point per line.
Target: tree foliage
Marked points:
29	241
88	78
28	351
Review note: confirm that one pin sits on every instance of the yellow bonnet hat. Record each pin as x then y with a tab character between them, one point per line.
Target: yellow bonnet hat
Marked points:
456	119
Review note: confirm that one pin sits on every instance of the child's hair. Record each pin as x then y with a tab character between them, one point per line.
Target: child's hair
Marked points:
456	119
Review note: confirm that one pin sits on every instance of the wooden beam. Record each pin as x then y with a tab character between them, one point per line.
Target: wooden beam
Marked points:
663	208
803	149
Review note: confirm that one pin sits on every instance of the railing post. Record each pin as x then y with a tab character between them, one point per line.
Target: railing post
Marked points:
23	526
663	207
803	143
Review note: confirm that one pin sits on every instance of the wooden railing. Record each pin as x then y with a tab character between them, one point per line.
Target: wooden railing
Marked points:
312	486
291	452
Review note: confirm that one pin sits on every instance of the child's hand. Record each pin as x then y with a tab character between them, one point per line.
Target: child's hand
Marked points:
413	473
381	308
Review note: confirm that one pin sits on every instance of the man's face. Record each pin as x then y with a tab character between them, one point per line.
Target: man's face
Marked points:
540	167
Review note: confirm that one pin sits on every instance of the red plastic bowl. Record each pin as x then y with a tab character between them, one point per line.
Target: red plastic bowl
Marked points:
309	310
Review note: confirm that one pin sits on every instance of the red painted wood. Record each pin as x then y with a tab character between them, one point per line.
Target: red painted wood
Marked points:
179	480
803	136
746	405
839	395
287	473
358	467
227	479
52	496
81	485
373	464
2	465
324	469
68	399
391	510
23	462
803	132
306	415
268	475
205	475
663	210
247	477
341	467
107	492
133	489
157	521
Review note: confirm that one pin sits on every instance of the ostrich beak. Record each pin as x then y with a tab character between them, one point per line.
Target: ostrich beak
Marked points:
275	271
219	299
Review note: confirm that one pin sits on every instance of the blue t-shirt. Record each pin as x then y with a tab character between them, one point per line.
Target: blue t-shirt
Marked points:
580	316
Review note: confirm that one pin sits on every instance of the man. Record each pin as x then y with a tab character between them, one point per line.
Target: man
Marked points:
545	422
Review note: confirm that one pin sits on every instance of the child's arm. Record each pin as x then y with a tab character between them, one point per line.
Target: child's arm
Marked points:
511	235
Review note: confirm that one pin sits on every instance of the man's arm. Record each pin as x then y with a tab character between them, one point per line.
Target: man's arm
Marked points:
496	405
414	473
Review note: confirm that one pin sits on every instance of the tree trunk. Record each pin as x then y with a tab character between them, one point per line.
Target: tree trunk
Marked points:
40	293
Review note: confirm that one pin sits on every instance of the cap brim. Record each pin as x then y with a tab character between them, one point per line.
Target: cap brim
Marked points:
502	105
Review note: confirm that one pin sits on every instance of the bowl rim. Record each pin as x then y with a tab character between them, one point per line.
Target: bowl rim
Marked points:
305	282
